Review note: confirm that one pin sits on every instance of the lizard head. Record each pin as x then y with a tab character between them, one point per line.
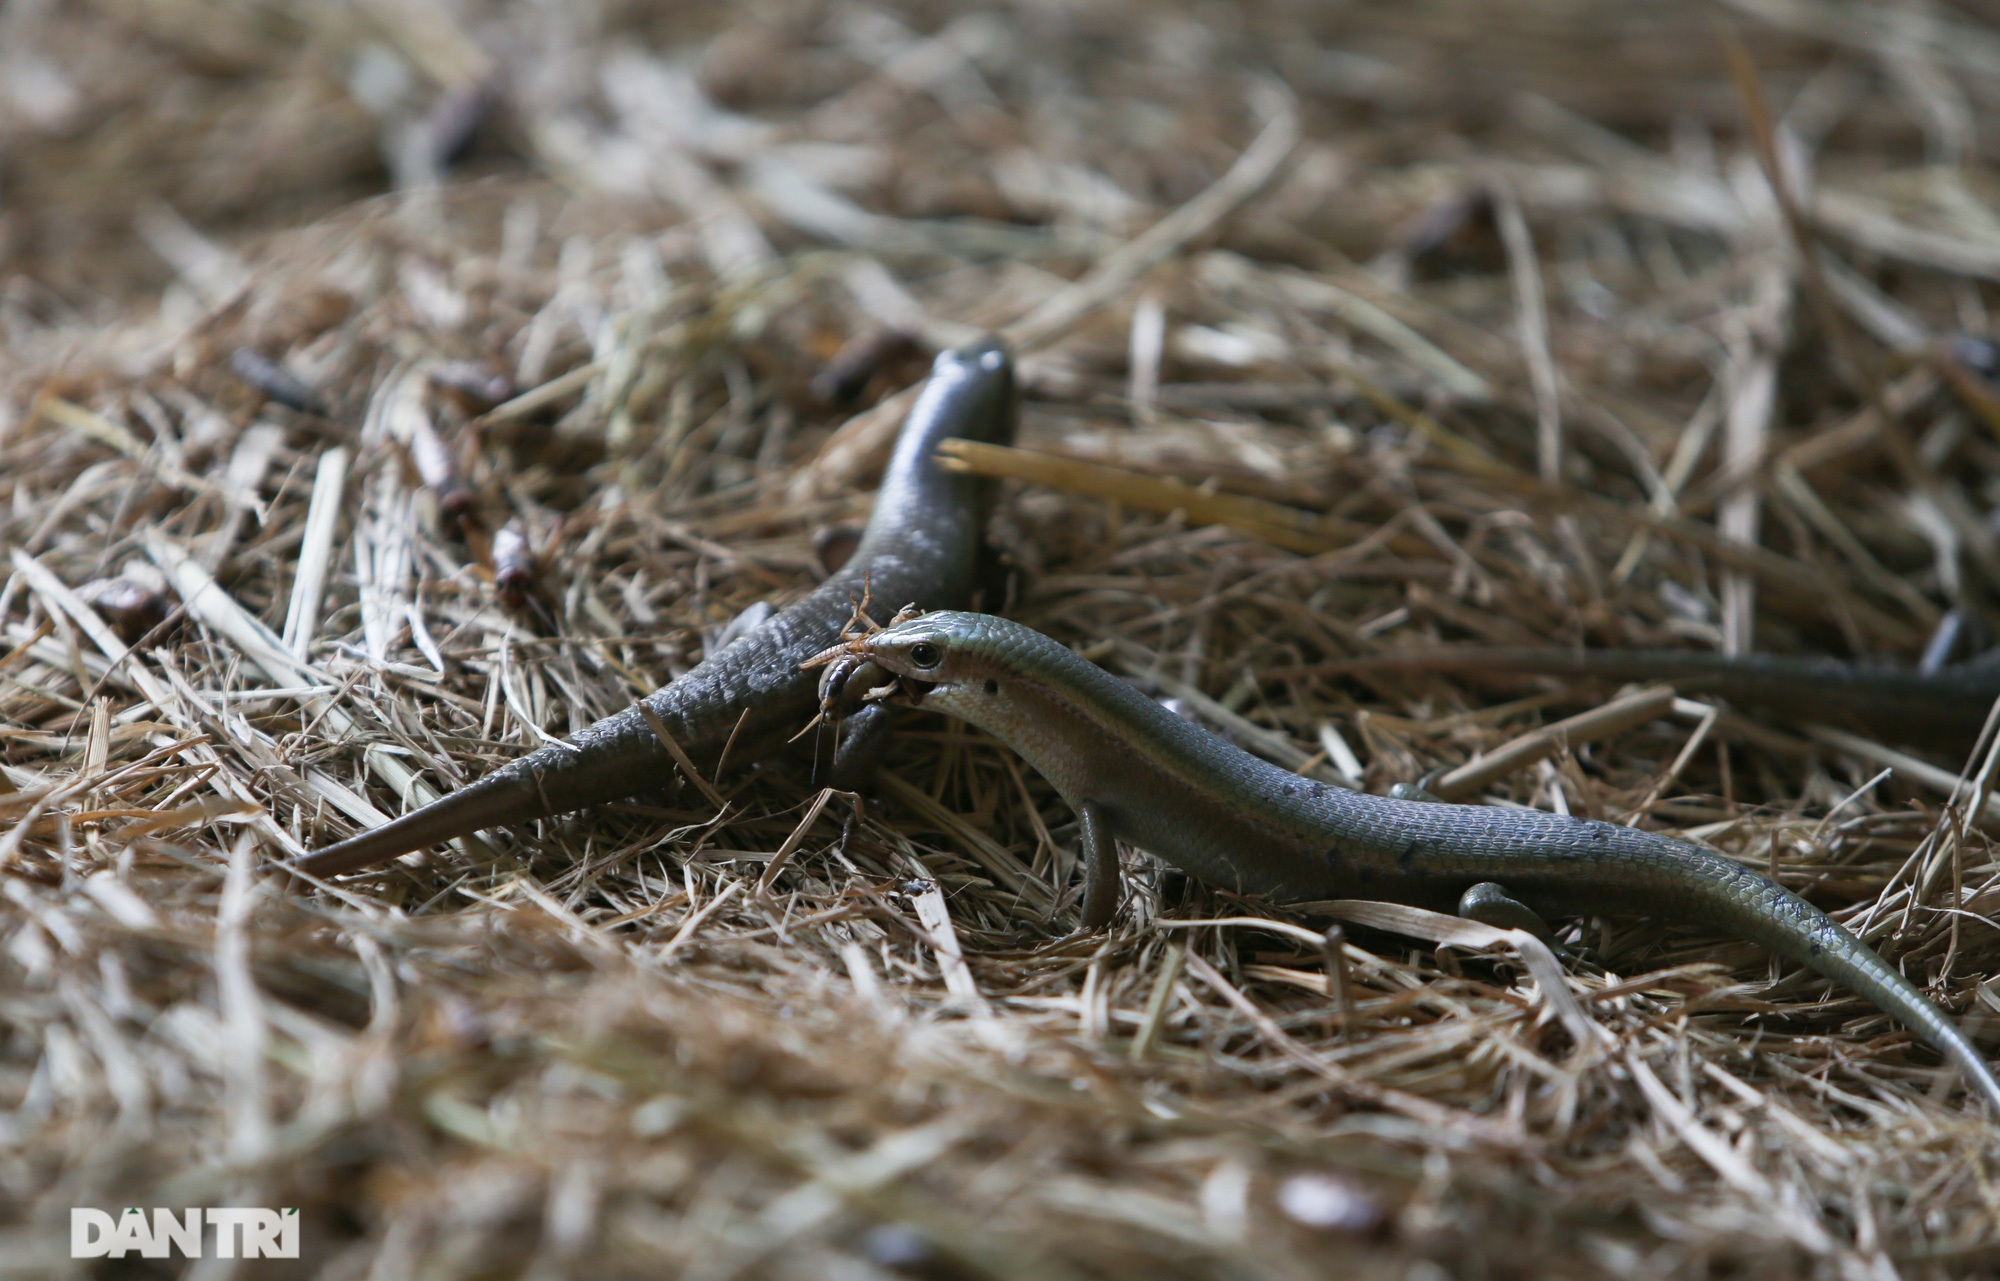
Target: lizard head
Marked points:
904	663
998	675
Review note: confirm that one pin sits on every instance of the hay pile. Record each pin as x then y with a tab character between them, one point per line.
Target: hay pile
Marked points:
1460	323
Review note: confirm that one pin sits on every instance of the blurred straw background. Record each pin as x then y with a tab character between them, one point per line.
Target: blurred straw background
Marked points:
387	386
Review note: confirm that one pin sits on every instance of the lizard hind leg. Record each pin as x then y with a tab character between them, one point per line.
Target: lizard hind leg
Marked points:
1489	903
1100	868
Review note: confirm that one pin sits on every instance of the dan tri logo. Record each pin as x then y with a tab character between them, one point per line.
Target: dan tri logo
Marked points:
238	1233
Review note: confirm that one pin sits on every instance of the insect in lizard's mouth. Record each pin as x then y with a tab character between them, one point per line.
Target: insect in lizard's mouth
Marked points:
852	681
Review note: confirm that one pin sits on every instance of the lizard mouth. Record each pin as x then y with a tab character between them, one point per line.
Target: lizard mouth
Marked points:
910	691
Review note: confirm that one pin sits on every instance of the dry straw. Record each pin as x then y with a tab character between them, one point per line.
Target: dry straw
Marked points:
1470	325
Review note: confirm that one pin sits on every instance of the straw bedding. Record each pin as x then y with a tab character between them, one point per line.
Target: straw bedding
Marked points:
1342	330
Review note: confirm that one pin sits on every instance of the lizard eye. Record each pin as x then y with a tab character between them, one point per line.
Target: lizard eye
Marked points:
925	654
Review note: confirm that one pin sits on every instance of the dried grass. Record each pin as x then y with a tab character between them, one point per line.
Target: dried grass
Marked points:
1596	383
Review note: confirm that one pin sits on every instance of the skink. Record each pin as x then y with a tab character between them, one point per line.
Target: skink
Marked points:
921	545
1944	708
1134	771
